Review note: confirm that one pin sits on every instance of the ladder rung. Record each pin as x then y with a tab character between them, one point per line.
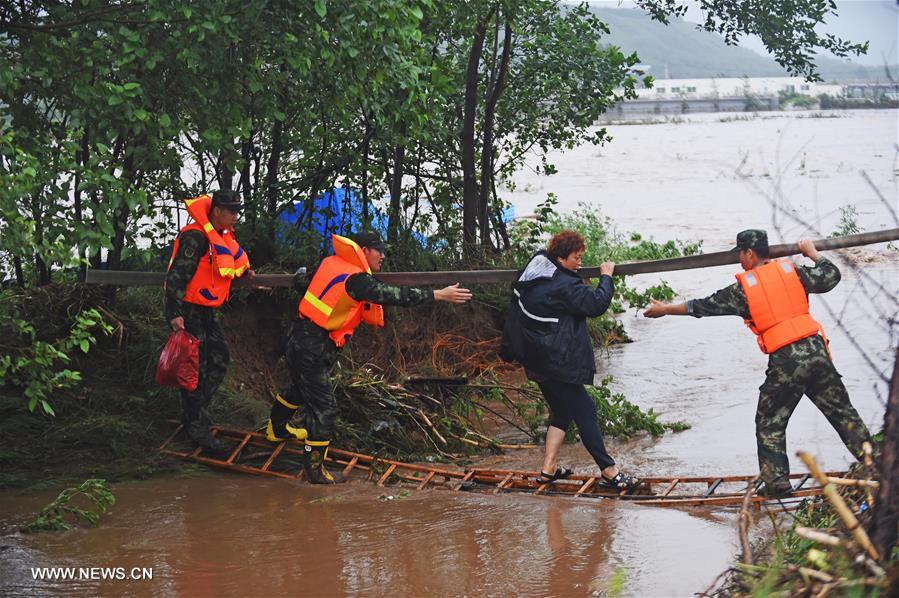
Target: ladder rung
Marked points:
464	479
670	487
586	487
713	486
349	466
273	456
386	475
802	481
239	448
427	479
172	437
505	481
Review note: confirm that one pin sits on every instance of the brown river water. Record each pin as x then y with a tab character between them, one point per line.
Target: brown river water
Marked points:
701	179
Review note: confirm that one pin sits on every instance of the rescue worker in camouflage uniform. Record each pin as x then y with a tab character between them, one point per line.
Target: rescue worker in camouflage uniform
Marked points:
205	259
342	294
772	298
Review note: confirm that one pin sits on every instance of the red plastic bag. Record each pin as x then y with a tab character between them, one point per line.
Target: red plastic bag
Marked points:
179	364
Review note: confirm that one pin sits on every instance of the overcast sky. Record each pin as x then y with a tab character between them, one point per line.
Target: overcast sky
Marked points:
875	21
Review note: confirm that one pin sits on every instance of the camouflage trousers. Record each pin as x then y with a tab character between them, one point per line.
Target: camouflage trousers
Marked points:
311	355
802	368
214	358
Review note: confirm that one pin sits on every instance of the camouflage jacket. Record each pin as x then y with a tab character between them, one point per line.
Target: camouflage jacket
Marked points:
365	287
731	300
192	246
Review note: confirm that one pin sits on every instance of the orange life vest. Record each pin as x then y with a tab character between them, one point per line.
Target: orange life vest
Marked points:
224	261
326	301
778	305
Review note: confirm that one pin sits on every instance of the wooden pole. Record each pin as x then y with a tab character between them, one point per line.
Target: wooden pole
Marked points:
706	260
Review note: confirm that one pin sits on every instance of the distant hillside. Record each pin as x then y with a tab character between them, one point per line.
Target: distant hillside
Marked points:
688	52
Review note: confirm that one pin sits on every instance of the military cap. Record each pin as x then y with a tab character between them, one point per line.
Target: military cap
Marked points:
753	238
229	200
369	239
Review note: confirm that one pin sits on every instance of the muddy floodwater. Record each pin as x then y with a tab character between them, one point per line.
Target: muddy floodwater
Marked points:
701	179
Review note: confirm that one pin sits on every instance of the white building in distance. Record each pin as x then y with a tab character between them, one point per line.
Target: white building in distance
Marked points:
735	87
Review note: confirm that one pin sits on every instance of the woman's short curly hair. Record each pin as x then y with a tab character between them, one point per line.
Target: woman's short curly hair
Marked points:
564	244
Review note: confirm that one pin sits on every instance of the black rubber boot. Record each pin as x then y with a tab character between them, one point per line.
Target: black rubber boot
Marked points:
277	428
314	464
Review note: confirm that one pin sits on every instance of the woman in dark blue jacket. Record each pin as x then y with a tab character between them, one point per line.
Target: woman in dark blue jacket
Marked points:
546	331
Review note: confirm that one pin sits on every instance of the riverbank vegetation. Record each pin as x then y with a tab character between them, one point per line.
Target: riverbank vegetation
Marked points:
430	385
822	548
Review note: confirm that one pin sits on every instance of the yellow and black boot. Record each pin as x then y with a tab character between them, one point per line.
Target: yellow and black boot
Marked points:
278	429
314	464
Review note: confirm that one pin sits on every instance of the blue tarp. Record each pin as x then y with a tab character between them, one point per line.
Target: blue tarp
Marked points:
339	210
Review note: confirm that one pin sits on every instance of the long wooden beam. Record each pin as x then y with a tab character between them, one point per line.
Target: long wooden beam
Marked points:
705	260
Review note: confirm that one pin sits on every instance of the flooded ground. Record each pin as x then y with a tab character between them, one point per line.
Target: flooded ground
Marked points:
230	535
698	180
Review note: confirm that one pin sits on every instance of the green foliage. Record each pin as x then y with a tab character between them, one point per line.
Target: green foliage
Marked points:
848	222
778	575
618	582
605	243
53	516
36	366
620	418
797	100
617	416
114	112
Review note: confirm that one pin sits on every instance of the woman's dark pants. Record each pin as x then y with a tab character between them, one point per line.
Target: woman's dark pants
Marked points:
569	402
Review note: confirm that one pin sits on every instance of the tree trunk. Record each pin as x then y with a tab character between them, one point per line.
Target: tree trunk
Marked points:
40	266
470	183
20	276
246	155
396	189
81	157
498	223
487	150
120	214
885	519
271	171
366	217
223	173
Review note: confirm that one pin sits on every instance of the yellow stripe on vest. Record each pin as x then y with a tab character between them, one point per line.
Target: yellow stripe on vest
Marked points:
317	303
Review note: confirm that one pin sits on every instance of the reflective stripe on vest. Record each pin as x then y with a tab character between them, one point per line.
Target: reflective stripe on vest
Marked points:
326	301
778	305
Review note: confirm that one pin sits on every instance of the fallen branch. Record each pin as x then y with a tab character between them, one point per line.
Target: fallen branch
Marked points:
744	521
819	536
815	574
839	505
854	483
